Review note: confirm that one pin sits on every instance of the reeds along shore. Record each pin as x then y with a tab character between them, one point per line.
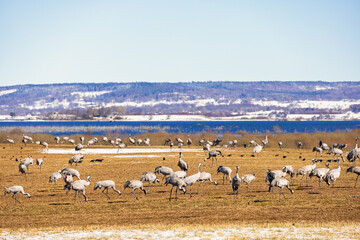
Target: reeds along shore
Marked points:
289	140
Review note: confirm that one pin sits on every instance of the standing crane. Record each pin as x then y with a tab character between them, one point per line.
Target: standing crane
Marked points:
333	175
354	169
134	184
189	181
15	190
106	184
182	164
236	181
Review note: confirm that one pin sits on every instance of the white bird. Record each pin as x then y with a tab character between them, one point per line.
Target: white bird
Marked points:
265	141
28	161
324	146
73	172
289	170
182	164
190	180
23	169
176	182
280	144
213	154
121	145
179	174
15	190
248	178
39	162
27	138
165	171
78	147
10	140
257	149
149	177
139	142
281	183
333	175
305	170
299	144
79	187
226	171
236	181
205	176
320	173
72	141
78	158
68	179
131	140
44	144
337	152
273	174
54	177
92	141
317	150
57	139
106	184
354	169
179	140
134	184
188	141
147	141
355	153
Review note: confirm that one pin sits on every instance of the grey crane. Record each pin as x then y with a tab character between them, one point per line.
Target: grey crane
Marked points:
78	147
323	145
71	171
182	164
205	176
134	184
57	139
9	140
299	144
106	184
15	190
79	187
248	178
190	180
54	177
355	153
188	141
147	141
39	162
68	179
82	139
337	152
280	144
281	183
176	182
226	171
92	141
317	150
131	140
305	171
289	170
149	177
213	154
265	141
332	175
257	149
354	169
236	181
179	174
274	174
165	171
78	158
320	173
23	169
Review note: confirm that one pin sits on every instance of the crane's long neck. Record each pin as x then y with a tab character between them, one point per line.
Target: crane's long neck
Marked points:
356	144
199	167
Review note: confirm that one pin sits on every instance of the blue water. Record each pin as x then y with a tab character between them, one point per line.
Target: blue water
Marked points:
189	127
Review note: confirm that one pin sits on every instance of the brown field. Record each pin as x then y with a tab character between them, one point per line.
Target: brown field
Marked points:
53	209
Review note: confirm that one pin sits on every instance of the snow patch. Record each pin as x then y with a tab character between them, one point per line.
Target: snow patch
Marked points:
116	151
5	92
90	94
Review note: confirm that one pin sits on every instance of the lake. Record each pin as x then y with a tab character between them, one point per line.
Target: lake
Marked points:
62	128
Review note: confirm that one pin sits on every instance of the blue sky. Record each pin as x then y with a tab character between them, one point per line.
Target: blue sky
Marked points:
176	41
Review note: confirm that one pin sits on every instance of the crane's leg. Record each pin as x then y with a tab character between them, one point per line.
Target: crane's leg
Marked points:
280	194
306	181
190	190
149	187
83	193
199	187
333	186
107	194
170	192
223	179
319	182
283	193
14	197
55	186
204	187
134	195
356	181
302	176
176	194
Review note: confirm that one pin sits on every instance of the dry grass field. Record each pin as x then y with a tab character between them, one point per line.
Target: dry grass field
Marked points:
49	208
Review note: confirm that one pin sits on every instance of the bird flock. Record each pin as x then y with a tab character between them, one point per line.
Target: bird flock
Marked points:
179	179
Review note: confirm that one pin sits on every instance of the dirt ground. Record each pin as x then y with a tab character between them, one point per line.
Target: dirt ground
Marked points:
52	208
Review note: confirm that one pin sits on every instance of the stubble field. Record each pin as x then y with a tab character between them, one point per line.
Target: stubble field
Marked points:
49	208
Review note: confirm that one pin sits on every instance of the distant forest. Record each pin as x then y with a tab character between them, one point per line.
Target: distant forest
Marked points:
227	98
